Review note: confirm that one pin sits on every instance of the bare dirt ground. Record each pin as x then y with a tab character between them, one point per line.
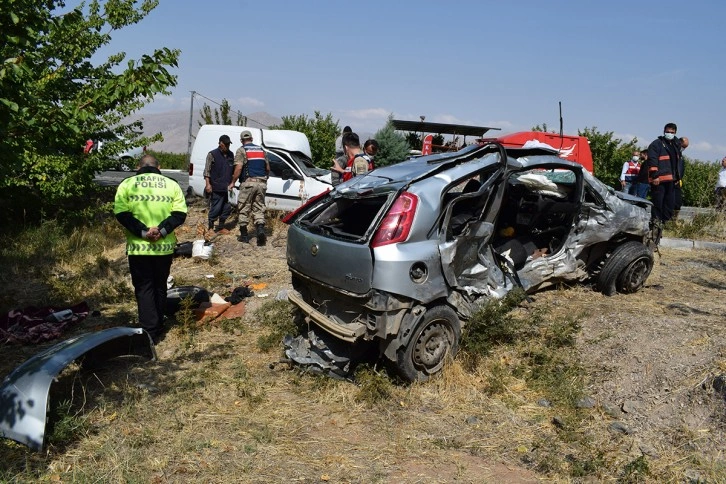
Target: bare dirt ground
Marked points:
213	409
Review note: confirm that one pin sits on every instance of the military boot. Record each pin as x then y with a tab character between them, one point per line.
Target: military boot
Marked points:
261	237
243	235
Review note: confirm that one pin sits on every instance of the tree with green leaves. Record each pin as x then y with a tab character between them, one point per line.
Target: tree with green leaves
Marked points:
542	128
53	97
321	132
393	146
414	140
221	116
699	180
608	154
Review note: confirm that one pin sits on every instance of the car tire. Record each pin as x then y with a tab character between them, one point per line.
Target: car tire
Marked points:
626	269
435	338
124	165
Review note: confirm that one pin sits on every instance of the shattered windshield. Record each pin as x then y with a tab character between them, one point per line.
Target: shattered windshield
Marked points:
306	165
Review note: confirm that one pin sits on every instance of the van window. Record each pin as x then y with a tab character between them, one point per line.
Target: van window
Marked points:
277	164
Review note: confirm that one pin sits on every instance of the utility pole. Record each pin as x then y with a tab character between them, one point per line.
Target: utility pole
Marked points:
189	138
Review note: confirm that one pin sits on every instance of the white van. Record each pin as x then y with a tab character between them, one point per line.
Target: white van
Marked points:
293	177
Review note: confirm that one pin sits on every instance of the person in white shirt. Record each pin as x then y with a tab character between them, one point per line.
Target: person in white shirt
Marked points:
721	187
629	173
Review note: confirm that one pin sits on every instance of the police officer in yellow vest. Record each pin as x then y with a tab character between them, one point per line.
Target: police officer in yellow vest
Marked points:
150	206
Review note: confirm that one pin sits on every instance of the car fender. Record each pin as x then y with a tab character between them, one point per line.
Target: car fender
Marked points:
409	322
24	393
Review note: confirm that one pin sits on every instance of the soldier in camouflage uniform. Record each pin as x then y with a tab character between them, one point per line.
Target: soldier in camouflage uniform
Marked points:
253	166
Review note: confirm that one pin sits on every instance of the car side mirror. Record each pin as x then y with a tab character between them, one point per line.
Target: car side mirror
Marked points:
289	174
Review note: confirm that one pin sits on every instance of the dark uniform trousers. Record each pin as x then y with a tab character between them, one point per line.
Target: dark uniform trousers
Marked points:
149	274
663	198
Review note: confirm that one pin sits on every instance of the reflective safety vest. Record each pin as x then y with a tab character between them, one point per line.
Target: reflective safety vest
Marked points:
632	172
151	198
256	166
359	164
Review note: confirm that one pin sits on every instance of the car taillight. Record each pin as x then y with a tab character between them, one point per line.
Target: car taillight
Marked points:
191	169
397	223
290	217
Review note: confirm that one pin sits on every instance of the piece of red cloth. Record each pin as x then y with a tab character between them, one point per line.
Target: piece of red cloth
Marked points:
31	325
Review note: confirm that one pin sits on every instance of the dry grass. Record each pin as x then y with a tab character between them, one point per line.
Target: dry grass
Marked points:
705	226
213	409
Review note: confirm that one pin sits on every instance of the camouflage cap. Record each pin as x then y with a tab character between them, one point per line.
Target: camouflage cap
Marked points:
245	135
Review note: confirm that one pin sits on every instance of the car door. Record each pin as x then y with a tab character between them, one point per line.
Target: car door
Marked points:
283	184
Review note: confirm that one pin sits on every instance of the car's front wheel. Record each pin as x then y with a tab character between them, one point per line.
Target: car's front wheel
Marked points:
435	338
626	270
125	165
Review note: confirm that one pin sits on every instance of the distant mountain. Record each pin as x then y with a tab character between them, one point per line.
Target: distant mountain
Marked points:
174	126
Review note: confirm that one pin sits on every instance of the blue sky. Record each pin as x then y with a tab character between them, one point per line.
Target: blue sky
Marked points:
623	66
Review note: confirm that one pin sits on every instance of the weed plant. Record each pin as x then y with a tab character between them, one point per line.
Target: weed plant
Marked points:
66	426
494	324
278	318
703	226
635	471
375	387
186	320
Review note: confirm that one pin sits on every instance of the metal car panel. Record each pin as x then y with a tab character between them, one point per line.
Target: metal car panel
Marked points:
341	264
283	194
24	393
392	271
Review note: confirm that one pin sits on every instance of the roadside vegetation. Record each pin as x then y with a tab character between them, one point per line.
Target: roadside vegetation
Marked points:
709	226
84	100
171	161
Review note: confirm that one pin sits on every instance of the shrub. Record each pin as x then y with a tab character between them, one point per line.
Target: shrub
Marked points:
699	182
278	317
171	161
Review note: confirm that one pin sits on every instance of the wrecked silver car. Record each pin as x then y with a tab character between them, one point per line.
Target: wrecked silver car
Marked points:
403	256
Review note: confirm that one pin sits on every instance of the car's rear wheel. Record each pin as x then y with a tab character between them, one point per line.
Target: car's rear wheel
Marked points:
626	269
435	338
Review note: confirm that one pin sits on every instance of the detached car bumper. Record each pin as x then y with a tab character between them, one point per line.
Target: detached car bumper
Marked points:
24	393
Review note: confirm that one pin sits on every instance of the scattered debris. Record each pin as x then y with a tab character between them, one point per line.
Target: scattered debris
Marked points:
175	295
33	325
201	249
207	311
238	294
315	355
217	299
